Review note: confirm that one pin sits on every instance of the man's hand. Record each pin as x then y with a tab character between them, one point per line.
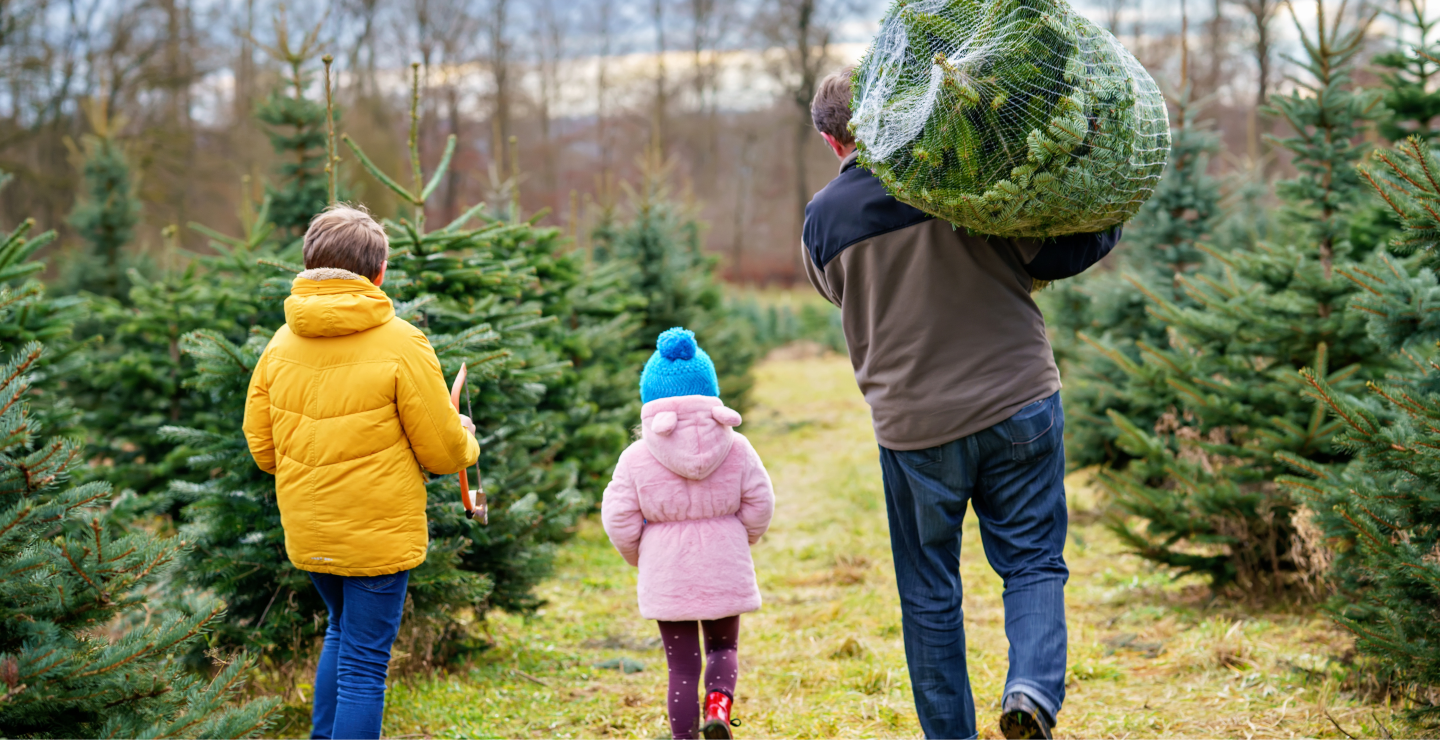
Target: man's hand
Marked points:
468	424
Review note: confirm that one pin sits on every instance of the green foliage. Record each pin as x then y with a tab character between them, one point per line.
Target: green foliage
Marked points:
1203	481
84	650
1412	69
661	244
1100	321
297	133
105	214
778	323
134	380
494	293
1381	514
1012	117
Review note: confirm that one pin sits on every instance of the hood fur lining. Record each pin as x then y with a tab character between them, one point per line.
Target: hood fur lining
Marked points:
329	273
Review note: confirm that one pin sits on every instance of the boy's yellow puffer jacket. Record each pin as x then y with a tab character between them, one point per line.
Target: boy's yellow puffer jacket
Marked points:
345	407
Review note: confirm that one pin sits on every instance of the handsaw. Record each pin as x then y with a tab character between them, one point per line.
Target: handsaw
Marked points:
476	506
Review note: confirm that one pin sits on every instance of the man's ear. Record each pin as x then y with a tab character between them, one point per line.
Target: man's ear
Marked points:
841	150
381	277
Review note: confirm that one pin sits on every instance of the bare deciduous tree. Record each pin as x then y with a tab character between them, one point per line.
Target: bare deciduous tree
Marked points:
799	34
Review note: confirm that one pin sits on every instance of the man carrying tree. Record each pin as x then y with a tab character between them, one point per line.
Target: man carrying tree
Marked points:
951	353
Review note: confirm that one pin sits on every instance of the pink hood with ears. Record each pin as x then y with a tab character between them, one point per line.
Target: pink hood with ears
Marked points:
689	435
685	504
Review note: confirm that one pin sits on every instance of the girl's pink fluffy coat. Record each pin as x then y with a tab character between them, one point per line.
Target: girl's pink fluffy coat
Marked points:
686	503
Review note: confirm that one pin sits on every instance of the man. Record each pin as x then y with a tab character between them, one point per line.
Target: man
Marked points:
950	351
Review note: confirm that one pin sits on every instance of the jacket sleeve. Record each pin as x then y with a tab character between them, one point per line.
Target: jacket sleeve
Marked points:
1069	255
757	498
440	444
817	277
259	433
620	513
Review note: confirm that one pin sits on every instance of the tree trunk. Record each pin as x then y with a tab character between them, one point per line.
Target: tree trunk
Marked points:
500	71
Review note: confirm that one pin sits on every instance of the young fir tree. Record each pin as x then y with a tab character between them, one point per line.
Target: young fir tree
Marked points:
297	131
488	291
134	382
1204	478
106	212
1101	321
1378	520
1411	72
84	652
662	243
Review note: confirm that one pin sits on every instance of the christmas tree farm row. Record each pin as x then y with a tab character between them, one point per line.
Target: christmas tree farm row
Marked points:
148	362
1257	393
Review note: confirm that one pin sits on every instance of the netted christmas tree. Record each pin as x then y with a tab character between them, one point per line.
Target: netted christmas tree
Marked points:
1100	322
105	214
1203	484
1376	523
1009	117
85	649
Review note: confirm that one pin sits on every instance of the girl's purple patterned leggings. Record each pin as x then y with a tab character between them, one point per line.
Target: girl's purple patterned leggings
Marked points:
682	653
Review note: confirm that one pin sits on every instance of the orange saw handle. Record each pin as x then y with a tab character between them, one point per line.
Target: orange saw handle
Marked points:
471	510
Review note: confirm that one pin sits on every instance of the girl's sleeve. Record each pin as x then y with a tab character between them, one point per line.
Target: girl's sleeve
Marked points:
620	513
757	498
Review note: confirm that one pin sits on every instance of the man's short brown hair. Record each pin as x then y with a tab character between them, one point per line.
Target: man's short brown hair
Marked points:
830	110
346	237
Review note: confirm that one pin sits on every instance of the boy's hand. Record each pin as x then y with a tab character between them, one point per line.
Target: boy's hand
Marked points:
468	424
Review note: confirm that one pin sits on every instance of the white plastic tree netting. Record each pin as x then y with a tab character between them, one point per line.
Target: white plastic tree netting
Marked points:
1009	117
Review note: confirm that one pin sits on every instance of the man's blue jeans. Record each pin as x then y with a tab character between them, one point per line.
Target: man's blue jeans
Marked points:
1013	474
350	682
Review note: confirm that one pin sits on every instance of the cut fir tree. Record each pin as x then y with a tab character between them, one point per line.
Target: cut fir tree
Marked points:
1010	117
1201	496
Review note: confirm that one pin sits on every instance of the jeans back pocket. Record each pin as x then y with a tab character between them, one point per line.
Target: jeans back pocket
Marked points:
1029	430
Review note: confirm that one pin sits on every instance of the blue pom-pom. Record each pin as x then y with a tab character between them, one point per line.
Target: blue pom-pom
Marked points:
676	344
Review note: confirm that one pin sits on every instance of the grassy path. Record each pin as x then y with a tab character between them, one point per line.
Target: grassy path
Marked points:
824	657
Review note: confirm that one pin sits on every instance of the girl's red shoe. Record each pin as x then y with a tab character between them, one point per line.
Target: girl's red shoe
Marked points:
717	716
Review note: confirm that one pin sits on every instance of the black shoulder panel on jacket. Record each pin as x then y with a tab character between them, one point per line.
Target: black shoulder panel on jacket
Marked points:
852	208
1067	256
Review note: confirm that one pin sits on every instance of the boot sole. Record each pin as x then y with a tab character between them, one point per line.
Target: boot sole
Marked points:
1021	726
716	730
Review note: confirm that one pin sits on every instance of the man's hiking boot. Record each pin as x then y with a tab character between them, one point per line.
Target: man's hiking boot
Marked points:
1021	718
717	716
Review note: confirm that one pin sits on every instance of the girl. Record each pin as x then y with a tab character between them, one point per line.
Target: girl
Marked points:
686	503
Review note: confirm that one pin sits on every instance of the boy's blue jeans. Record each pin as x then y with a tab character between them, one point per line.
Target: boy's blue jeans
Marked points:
350	682
1013	475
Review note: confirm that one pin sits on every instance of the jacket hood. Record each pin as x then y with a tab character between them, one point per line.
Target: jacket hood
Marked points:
333	303
689	435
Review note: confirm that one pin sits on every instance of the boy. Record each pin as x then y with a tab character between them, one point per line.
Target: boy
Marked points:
345	407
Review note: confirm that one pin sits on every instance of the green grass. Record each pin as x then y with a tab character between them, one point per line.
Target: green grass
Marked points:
1149	657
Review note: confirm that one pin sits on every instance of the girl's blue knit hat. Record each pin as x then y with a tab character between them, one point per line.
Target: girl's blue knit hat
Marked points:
678	368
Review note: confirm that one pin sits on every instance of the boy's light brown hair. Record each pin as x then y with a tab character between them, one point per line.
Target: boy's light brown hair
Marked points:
830	110
346	237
